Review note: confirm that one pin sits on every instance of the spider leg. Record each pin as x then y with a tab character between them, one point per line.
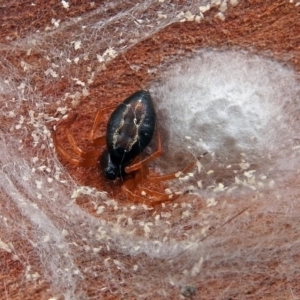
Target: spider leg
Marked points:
86	155
133	184
171	175
100	141
135	166
95	141
74	161
86	158
158	198
141	172
97	121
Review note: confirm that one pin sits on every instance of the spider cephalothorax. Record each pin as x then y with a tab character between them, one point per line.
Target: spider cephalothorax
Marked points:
129	131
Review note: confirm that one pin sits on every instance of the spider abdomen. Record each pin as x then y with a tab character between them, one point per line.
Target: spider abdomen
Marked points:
130	128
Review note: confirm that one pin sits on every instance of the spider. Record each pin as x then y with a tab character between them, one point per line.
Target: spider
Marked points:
129	131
